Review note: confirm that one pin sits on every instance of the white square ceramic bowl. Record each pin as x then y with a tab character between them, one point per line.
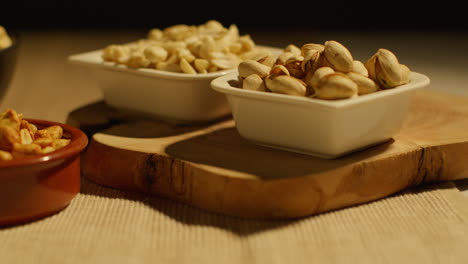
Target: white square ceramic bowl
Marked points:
322	128
174	97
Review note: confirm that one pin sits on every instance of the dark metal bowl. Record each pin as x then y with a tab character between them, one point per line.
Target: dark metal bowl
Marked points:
7	64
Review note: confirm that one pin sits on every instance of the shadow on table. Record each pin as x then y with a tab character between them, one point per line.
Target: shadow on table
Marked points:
189	215
184	213
100	117
226	148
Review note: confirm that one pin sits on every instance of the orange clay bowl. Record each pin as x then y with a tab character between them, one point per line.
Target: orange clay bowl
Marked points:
40	185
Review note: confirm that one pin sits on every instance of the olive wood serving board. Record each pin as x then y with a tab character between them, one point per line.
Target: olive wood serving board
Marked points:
212	167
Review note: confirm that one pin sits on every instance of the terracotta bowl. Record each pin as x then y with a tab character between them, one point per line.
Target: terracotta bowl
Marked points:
37	186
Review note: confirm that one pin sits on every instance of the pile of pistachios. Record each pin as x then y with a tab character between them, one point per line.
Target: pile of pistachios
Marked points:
319	71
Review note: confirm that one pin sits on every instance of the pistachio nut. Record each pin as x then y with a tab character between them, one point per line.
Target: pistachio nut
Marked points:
263	56
278	70
283	57
256	54
286	85
268	61
306	48
338	56
335	86
387	69
370	66
294	68
359	67
253	82
405	74
318	75
249	67
364	84
388	72
310	58
293	49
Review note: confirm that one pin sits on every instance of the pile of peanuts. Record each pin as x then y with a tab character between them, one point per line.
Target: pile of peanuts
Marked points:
5	40
319	71
19	138
188	49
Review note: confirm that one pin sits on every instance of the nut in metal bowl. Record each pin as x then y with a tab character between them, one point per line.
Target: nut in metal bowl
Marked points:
8	58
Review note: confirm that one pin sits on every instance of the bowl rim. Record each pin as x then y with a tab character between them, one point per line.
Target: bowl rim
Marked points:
221	84
93	59
77	144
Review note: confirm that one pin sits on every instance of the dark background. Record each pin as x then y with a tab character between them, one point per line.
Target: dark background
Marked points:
283	14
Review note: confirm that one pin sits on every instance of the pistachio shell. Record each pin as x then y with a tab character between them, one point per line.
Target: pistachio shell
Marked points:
286	85
283	57
335	86
279	69
306	48
319	74
359	67
249	67
310	57
405	74
294	68
261	55
293	49
253	82
387	69
338	56
255	54
370	67
268	61
364	84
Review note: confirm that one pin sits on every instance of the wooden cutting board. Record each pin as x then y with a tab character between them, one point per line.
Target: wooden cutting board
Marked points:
212	167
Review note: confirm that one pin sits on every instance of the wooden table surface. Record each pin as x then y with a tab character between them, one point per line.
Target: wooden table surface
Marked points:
46	86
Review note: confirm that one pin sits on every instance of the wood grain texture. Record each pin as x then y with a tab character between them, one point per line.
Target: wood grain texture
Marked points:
212	167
